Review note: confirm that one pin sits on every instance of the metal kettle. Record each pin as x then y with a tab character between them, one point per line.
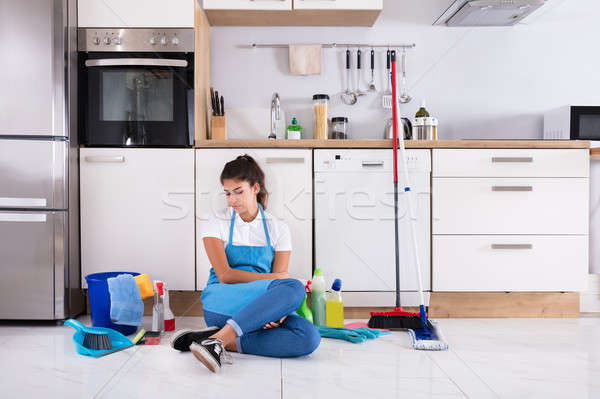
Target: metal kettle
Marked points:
405	125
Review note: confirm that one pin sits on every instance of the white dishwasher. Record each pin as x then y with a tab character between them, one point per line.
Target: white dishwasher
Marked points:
354	224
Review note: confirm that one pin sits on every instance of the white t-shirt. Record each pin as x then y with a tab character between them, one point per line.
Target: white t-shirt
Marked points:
247	233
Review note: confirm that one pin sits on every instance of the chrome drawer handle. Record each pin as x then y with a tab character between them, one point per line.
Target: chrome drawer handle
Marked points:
285	160
512	159
136	62
104	159
23	217
372	164
512	188
512	246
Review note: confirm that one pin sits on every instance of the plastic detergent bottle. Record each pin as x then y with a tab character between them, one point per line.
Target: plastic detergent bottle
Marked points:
335	305
318	298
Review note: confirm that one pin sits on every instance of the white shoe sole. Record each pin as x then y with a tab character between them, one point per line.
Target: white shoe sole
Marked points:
180	333
205	357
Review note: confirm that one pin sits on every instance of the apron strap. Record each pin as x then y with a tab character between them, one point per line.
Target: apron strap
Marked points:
231	228
265	226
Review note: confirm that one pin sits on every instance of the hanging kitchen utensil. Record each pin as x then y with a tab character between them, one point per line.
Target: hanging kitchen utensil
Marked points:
358	92
386	99
372	83
404	96
348	97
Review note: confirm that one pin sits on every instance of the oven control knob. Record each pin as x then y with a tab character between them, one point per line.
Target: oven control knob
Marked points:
107	40
116	41
96	40
175	41
152	41
164	41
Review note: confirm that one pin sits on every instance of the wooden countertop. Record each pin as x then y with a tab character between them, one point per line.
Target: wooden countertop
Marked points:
309	143
595	154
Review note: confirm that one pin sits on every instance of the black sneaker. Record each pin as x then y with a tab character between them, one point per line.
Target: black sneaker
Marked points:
211	353
182	339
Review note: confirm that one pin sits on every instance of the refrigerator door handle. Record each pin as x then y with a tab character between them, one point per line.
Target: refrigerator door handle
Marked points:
17	202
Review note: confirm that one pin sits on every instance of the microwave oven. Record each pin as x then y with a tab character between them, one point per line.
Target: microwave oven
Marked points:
573	122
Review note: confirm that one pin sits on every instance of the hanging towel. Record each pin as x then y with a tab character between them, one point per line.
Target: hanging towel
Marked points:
126	306
306	59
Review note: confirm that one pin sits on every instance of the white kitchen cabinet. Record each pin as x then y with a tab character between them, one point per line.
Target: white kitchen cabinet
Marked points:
517	162
510	206
137	213
510	263
135	13
510	219
247	4
288	177
338	4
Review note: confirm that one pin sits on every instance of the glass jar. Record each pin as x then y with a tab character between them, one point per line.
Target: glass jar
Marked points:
339	128
321	110
431	125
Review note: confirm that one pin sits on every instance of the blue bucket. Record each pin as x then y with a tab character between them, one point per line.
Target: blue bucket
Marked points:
100	301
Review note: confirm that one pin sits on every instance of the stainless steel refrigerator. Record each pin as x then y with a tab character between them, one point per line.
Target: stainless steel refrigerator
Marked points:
39	197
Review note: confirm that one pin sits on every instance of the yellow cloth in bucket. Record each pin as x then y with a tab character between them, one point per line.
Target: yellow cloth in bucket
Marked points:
145	286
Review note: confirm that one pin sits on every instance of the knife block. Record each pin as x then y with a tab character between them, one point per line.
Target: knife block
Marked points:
218	128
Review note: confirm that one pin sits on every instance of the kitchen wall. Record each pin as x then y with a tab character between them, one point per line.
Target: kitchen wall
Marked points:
490	83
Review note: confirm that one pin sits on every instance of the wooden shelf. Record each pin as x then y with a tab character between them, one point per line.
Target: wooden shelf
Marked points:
310	143
292	17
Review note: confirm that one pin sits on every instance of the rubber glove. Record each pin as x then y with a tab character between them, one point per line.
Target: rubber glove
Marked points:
346	334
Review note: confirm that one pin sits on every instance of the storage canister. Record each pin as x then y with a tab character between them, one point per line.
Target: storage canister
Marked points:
339	127
321	109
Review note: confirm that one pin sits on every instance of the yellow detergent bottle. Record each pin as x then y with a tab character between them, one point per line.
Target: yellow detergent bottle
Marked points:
335	306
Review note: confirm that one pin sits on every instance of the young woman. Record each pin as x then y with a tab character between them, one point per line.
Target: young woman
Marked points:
250	299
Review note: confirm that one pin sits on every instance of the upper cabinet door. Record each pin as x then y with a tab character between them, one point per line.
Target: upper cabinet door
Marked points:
247	4
136	13
338	4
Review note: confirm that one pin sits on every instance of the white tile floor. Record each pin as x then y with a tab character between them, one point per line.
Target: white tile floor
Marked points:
489	358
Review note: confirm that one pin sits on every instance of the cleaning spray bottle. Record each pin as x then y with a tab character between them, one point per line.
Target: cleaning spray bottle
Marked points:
304	310
335	305
169	316
318	298
158	310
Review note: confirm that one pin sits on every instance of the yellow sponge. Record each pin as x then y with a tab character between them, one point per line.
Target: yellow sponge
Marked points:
145	286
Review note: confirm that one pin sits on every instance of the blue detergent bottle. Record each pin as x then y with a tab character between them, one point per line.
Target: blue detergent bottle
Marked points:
318	298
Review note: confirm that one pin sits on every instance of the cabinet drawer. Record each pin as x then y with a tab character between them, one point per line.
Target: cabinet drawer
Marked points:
511	163
338	4
510	206
510	263
247	4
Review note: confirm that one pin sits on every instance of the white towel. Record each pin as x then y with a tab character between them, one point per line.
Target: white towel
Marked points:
306	59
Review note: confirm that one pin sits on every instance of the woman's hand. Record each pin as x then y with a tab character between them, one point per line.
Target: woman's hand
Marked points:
274	324
282	275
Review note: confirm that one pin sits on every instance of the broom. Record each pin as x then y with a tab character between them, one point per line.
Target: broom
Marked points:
424	334
398	318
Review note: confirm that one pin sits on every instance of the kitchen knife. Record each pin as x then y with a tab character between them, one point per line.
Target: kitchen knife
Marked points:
222	106
217	111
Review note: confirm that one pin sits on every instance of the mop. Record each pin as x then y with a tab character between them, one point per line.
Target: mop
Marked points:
424	334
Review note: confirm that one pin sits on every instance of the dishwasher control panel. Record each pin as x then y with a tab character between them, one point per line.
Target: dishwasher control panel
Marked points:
377	160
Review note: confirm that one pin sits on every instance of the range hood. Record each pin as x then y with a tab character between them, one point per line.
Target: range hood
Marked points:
487	12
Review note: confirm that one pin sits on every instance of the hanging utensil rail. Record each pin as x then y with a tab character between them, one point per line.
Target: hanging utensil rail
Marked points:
333	45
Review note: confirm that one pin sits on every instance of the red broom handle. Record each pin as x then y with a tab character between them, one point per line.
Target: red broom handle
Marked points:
395	115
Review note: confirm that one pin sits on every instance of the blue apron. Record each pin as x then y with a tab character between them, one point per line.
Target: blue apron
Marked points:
228	299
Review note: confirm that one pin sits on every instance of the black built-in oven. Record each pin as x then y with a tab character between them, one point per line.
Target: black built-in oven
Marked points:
136	87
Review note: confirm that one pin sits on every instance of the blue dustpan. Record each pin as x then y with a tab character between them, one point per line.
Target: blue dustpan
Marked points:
117	340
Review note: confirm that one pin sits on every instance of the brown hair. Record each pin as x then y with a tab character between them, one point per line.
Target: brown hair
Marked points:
245	168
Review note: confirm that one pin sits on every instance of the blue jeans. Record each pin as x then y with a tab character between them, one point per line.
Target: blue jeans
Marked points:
296	336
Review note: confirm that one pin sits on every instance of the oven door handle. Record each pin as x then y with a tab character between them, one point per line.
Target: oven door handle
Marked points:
136	62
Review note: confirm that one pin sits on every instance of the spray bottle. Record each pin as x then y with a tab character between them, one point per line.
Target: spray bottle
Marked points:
318	298
158	310
304	310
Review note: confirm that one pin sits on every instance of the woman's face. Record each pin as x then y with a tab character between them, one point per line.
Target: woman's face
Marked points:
240	195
